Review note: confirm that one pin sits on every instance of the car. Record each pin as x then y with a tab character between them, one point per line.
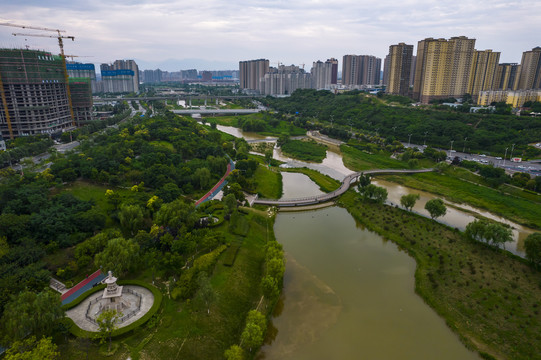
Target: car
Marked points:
499	158
453	150
482	155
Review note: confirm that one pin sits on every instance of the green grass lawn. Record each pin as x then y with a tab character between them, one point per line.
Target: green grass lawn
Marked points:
305	150
515	208
269	183
325	183
490	298
358	160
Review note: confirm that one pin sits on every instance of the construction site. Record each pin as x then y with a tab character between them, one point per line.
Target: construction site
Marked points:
34	93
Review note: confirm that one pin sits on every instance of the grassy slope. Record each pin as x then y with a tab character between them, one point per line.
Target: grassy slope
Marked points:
269	183
512	207
283	127
325	183
358	160
491	299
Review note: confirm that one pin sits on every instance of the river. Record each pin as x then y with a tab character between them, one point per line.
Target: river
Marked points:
348	294
458	215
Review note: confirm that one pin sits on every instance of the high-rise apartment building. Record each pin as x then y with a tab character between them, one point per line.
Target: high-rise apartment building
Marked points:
33	92
152	76
78	70
386	69
530	70
324	74
483	72
250	73
361	70
443	68
120	77
284	80
399	64
506	77
413	67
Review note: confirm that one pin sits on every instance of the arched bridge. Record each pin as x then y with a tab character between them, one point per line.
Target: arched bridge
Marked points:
346	183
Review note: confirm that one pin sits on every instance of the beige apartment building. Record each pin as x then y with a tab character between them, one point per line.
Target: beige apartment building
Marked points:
483	72
250	73
530	72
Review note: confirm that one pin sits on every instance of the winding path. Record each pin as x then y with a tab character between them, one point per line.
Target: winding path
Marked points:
346	183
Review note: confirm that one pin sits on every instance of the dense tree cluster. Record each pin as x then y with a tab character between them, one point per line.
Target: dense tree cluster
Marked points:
367	113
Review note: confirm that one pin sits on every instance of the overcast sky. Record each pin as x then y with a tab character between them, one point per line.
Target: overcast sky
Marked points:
216	34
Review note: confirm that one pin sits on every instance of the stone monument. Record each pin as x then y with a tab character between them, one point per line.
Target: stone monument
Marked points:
112	298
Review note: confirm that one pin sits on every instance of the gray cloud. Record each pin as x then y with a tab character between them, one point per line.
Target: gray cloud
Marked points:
295	31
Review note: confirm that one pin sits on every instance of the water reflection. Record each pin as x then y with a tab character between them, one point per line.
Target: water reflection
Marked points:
455	217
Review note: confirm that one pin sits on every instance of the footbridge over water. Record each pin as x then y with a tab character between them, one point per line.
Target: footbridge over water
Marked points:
346	183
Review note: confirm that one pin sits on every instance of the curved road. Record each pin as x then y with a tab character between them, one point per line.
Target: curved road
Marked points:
346	183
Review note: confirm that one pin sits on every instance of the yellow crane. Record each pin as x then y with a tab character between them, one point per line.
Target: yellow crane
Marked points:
61	45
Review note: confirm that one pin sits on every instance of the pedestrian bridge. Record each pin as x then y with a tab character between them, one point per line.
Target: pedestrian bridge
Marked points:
346	183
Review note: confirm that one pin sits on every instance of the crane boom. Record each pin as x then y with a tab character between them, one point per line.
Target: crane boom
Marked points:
32	27
61	45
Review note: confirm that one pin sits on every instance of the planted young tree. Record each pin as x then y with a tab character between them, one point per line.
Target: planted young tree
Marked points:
532	245
253	334
235	352
435	208
408	201
494	234
107	324
205	291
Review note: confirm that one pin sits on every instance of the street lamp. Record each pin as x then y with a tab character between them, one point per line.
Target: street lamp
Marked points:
505	156
409	139
464	148
450	151
512	148
424	138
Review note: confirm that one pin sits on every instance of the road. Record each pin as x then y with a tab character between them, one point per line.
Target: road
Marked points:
531	167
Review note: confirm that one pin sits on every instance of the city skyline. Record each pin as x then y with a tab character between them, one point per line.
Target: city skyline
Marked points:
217	34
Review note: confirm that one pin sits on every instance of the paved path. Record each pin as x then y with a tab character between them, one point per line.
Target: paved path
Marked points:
346	183
81	287
219	185
78	313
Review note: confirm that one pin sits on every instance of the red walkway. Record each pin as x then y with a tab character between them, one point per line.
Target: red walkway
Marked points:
80	285
216	187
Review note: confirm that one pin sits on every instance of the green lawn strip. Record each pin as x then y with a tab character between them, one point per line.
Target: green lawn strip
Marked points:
269	182
358	160
517	209
305	150
207	336
489	297
325	183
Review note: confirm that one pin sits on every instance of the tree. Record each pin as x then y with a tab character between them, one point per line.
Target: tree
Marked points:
118	256
408	201
532	245
31	313
436	208
30	349
270	288
202	177
205	292
252	336
230	203
175	215
131	218
373	192
268	156
107	324
364	180
235	352
491	233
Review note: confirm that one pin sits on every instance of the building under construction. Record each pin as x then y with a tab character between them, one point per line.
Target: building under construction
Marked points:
33	93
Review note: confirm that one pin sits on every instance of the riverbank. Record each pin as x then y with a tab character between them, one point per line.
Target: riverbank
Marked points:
520	209
489	297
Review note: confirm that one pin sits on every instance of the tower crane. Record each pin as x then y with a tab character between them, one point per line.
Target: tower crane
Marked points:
61	45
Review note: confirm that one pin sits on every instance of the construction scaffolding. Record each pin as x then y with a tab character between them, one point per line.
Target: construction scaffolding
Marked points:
34	93
81	99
